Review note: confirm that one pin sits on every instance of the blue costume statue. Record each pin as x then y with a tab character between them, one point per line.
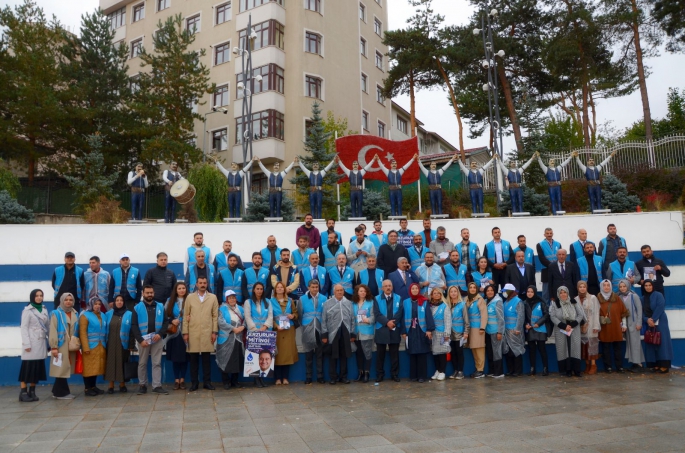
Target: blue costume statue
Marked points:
170	177
514	177
356	185
553	177
315	185
592	173
435	184
474	177
138	182
275	186
395	182
235	186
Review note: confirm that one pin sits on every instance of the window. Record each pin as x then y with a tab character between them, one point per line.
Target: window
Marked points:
221	96
163	4
139	12
136	47
222	53
265	124
313	5
362	46
117	18
134	84
377	27
260	184
223	13
220	139
362	12
272	80
379	95
246	5
379	60
269	33
313	87
402	125
308	124
193	24
365	83
365	120
381	129
312	43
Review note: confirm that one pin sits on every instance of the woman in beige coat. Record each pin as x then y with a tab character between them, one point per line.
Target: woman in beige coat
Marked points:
63	326
477	311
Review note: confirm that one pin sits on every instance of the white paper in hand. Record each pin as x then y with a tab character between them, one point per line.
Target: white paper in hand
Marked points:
57	361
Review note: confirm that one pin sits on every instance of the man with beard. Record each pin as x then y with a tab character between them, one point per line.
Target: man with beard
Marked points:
310	312
390	252
200	269
468	251
310	231
67	278
252	275
270	253
620	269
417	253
231	278
330	228
441	247
651	267
431	275
221	259
148	319
329	252
455	273
126	283
341	275
198	244
590	268
286	273
160	278
200	331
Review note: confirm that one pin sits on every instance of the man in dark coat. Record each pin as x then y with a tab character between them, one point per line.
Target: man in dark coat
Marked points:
650	262
563	273
388	310
389	253
520	274
402	278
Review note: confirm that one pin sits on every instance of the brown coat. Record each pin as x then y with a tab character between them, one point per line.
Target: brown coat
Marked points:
94	360
611	332
68	358
200	320
285	339
476	338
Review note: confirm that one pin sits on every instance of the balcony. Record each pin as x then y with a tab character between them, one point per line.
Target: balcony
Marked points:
261	57
269	150
261	13
261	101
107	6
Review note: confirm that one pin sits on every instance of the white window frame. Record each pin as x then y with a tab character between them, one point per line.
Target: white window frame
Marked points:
366	47
215	7
133	9
321	53
376	20
190	16
375	60
321	3
211	136
366	115
228	95
130	46
322	98
362	4
406	125
157	5
214	46
366	77
380	3
382	100
385	128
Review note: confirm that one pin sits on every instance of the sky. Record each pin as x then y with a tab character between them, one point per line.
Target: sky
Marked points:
432	107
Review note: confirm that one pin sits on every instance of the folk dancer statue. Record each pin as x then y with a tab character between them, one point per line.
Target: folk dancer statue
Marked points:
170	176
137	179
315	185
235	186
275	179
514	176
592	173
553	177
395	182
475	177
434	177
356	177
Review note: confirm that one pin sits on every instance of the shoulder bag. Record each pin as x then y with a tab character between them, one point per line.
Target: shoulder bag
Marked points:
653	337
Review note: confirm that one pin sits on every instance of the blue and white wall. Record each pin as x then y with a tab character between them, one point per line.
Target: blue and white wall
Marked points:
31	253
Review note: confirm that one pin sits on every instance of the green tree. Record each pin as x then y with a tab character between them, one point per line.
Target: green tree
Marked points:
11	212
375	206
670	16
673	123
211	200
258	208
535	203
615	195
8	181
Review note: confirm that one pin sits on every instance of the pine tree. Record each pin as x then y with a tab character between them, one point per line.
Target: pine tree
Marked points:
11	212
375	206
8	181
615	195
535	203
258	208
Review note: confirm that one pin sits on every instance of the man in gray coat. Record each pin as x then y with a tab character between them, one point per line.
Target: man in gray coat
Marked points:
338	331
441	247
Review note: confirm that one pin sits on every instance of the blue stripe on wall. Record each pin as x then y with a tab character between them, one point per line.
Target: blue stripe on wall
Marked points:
670	257
43	272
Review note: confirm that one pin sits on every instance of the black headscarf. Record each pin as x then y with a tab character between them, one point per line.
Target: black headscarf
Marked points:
646	300
32	300
533	301
118	311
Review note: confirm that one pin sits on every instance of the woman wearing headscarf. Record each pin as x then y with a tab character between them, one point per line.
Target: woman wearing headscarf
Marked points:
612	317
119	343
230	348
494	332
34	333
589	332
63	326
477	311
175	346
460	330
514	339
285	315
93	335
258	311
418	331
537	315
362	303
633	303
658	357
441	337
567	316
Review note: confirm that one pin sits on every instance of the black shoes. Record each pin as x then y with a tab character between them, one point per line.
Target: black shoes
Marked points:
344	380
194	387
333	382
259	383
421	381
142	390
123	389
545	372
366	377
110	391
396	378
379	378
24	396
208	386
227	386
360	377
99	391
621	370
160	391
308	381
92	392
321	381
32	394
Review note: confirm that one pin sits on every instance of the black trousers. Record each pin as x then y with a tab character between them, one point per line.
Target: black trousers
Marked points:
535	347
206	367
309	361
362	363
90	381
418	366
394	359
498	278
60	387
606	355
514	364
281	372
495	367
440	362
333	363
231	378
457	356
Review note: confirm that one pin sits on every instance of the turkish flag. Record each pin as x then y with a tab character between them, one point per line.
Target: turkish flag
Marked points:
362	148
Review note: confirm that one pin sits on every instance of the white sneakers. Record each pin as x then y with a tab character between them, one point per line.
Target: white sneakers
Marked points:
66	397
441	376
435	375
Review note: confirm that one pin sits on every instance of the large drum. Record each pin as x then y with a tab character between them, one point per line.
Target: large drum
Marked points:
183	191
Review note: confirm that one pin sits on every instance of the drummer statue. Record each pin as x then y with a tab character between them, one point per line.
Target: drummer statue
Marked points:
235	186
553	177
434	177
356	177
315	185
275	179
138	182
514	177
395	182
592	173
170	177
475	177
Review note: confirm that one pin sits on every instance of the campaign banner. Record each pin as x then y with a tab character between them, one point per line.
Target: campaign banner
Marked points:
260	348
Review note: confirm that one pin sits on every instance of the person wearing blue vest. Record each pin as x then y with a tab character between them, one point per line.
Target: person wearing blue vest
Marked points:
67	278
537	331
330	228
481	276
148	326
126	282
388	310
275	179
230	349
514	339
499	254
254	274
235	179
442	316
191	252
428	235
200	269
313	272
316	177
221	259
170	177
302	253
119	343
417	253
377	237
231	278
362	304
371	276
514	178
341	274
286	322
330	250
494	332
608	246
553	177
592	174
469	252
258	311
96	282
460	330
547	253
576	248
434	178
591	268
455	273
137	179
93	336
528	253
622	268
405	236
395	182
271	253
339	331
286	273
356	177
431	275
63	326
475	179
310	309
359	250
176	350
417	331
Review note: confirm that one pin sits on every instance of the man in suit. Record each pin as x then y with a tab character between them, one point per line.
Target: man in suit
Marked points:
200	331
499	255
402	278
563	273
390	252
264	370
520	274
388	311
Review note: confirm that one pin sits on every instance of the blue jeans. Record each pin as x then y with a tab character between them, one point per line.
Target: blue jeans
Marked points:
315	200
357	200
275	199
234	199
169	208
396	202
555	198
595	194
137	205
516	195
436	201
477	200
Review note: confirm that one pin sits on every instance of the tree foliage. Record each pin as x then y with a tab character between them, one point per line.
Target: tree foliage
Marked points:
258	208
375	206
670	16
211	199
8	181
11	212
615	195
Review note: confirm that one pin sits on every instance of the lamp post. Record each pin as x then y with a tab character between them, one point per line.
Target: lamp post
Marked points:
204	133
492	88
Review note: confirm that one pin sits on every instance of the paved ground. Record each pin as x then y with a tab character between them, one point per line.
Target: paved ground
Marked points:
618	413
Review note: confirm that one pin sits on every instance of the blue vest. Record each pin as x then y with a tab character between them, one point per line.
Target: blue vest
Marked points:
506	247
130	283
474	316
591	174
324	238
266	257
192	277
550	252
415	259
433	178
346	281
235	180
259	319
276	308
535	316
320	276
125	331
492	325
97	329
233	282
454	279
458	317
379	274
433	234
251	277
315	179
300	260
583	267
514	176
191	254
143	321
439	317
221	262
578	248
510	314
329	259
138	182
356	179
61	317
309	313
472	252
421	312
373	237
102	282
364	329
477	277
276	180
59	278
224	311
617	275
394	178
604	246
475	177
553	175
383	306
528	255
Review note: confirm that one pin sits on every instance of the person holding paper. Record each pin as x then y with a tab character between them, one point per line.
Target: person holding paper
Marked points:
63	326
621	269
362	302
612	317
441	247
389	312
443	329
34	332
589	332
93	335
285	323
230	349
482	275
567	316
148	325
460	330
651	265
537	315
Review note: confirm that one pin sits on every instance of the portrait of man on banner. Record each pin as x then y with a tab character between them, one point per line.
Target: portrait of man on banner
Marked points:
260	350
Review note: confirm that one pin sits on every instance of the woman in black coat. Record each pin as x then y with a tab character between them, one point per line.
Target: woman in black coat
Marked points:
537	331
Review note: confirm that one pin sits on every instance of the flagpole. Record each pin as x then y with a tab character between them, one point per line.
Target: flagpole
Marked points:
419	181
337	185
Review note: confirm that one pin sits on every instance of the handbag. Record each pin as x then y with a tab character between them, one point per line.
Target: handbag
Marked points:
653	337
171	329
130	371
605	319
78	366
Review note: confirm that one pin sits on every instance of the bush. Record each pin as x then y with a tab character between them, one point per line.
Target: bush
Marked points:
535	203
106	210
574	196
11	212
615	196
8	181
211	197
657	201
375	205
644	181
259	208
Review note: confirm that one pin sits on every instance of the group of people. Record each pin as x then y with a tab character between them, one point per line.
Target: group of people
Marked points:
378	291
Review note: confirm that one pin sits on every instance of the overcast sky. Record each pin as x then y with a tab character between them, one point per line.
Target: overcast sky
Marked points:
432	106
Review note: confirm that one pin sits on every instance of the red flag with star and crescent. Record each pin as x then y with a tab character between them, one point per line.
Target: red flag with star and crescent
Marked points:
362	148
